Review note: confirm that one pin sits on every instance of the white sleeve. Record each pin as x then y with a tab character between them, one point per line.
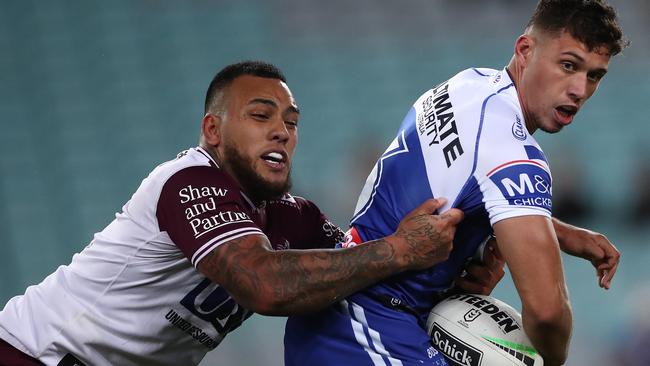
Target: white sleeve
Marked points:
511	170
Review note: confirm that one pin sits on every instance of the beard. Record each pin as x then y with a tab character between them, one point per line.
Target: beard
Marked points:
253	184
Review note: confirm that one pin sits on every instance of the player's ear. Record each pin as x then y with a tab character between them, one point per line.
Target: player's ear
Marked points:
211	129
523	48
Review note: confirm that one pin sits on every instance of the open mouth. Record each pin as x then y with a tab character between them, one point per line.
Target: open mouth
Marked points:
566	113
274	158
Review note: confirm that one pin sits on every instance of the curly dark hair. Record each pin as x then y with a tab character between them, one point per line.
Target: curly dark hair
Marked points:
592	22
225	77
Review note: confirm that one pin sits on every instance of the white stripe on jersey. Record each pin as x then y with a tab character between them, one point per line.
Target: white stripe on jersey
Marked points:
207	247
359	325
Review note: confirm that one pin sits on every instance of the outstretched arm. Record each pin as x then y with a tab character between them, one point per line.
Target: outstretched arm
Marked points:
297	281
592	246
531	250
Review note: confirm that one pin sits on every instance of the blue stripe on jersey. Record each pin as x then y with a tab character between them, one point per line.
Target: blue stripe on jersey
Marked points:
535	153
480	126
470	198
401	184
478	139
478	72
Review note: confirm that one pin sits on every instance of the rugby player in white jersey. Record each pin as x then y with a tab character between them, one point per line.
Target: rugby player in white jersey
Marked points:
205	241
470	139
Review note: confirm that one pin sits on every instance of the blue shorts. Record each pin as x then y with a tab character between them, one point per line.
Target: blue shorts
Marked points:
348	333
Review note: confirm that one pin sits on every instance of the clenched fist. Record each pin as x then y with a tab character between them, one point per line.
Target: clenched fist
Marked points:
424	239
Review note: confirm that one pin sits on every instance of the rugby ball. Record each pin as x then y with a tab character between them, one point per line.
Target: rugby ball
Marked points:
478	330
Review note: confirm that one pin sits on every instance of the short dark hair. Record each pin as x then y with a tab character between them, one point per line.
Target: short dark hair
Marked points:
229	73
592	22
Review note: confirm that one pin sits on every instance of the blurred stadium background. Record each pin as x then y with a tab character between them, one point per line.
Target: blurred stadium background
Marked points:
94	94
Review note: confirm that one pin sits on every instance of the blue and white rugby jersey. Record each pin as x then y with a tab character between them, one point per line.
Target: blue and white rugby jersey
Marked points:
464	140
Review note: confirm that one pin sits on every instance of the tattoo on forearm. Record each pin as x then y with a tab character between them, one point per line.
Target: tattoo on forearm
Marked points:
230	266
297	280
415	235
323	277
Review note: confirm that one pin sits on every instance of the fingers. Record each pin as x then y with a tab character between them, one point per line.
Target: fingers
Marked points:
427	238
604	276
606	265
471	287
597	249
484	274
429	206
492	256
606	273
604	281
480	278
453	215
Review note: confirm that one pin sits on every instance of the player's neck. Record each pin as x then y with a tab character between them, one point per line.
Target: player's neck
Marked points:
212	151
515	71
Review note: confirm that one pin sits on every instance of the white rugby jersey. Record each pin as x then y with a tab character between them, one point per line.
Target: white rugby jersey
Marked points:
464	140
133	296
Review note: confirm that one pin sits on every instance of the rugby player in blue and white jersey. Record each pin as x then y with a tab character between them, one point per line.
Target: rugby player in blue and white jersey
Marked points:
470	139
206	240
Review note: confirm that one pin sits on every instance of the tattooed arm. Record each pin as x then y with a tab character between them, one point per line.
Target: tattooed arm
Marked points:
298	281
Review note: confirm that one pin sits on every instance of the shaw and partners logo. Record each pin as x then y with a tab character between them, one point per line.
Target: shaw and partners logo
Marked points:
189	193
201	209
523	183
457	351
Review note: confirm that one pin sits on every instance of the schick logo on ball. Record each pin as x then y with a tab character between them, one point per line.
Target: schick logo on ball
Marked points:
457	351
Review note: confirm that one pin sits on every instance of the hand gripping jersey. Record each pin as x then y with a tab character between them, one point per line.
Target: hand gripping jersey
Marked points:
133	296
464	140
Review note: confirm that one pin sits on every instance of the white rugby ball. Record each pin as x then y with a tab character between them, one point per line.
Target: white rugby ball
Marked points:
478	330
